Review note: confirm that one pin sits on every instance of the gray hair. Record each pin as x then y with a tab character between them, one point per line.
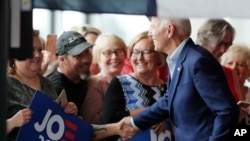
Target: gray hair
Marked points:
212	31
183	26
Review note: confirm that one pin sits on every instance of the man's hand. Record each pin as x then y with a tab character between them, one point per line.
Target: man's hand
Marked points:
125	128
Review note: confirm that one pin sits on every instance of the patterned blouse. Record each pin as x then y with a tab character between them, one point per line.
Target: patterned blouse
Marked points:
138	95
127	93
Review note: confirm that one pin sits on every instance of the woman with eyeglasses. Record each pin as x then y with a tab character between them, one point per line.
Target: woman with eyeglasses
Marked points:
109	52
129	94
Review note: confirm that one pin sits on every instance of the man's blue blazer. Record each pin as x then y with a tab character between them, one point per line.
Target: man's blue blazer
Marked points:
198	101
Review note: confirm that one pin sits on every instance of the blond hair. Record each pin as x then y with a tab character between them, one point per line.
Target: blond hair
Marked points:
144	35
104	40
241	50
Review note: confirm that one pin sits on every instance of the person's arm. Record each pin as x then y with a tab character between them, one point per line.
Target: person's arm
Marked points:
153	114
114	103
135	111
107	130
19	119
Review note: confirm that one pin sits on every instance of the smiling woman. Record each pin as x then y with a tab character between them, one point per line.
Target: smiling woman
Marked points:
129	94
23	80
110	54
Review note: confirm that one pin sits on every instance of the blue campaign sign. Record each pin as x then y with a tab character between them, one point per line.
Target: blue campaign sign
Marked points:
149	135
49	122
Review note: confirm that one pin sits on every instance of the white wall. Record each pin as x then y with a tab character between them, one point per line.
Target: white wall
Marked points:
125	26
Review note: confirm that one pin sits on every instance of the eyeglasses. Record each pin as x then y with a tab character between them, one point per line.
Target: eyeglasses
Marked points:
144	53
118	52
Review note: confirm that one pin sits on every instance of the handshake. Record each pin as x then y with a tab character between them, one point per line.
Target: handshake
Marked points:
122	128
126	130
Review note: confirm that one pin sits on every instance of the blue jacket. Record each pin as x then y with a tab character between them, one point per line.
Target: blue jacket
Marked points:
198	102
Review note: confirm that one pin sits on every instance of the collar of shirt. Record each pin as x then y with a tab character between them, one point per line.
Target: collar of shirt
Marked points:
171	60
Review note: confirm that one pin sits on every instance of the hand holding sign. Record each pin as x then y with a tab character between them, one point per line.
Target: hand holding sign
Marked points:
50	122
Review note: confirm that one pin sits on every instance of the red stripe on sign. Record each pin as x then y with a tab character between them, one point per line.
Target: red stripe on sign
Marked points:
69	135
71	125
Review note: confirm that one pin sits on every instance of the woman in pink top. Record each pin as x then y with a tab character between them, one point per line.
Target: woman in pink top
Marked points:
110	54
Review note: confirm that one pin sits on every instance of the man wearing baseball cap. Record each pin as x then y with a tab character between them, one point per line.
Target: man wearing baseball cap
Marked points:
74	59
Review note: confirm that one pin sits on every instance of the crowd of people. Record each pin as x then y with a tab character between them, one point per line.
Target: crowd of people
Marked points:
162	82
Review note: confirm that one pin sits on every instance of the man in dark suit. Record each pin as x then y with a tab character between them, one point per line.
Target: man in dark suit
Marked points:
198	100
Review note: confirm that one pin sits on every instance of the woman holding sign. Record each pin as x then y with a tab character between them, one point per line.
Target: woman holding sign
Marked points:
24	79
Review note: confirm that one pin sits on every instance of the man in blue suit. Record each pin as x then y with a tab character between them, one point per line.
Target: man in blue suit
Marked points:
198	100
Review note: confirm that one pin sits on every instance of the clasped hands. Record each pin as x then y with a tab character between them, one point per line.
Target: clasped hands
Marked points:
125	128
127	131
